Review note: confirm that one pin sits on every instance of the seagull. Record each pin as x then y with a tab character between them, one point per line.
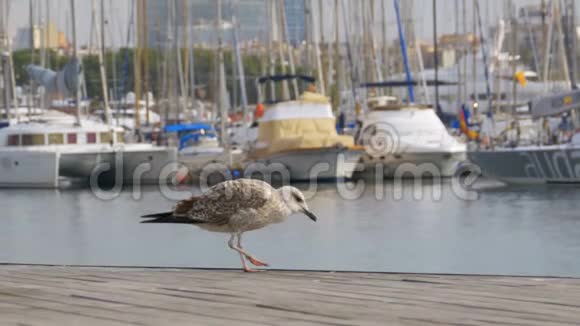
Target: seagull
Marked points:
237	206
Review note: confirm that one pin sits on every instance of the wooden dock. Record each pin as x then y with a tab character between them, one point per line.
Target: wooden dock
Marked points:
56	295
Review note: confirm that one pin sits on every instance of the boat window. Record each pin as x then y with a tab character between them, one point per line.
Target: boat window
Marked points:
91	138
480	96
55	139
13	140
447	98
106	137
120	137
32	139
71	138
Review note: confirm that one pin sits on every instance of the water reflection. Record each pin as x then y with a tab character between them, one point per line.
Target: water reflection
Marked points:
508	230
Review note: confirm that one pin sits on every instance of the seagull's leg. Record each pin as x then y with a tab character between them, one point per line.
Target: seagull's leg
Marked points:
242	254
242	257
252	260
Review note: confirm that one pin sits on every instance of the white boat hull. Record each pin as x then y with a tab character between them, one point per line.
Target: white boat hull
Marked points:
531	165
408	141
325	164
126	162
46	166
29	169
439	164
196	162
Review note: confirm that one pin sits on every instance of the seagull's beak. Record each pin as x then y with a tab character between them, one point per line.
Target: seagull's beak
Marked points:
309	214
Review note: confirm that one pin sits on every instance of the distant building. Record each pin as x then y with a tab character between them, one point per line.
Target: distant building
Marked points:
201	17
47	36
295	19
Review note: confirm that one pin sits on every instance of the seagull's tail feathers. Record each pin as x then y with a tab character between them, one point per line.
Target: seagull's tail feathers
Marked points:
168	217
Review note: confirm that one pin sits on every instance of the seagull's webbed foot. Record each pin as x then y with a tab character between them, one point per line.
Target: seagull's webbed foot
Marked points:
251	270
256	262
245	256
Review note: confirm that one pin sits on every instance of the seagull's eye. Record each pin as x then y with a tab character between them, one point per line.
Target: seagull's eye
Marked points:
297	198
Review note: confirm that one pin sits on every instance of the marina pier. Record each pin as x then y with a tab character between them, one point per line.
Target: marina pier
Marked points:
57	295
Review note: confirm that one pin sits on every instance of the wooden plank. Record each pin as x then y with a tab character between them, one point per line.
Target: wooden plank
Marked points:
45	295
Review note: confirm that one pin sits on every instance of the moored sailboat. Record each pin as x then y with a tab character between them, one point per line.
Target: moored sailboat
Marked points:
545	161
407	138
297	140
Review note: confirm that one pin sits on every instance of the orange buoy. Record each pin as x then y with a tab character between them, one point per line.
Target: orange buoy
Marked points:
259	110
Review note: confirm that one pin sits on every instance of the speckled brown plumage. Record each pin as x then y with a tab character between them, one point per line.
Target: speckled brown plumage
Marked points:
222	202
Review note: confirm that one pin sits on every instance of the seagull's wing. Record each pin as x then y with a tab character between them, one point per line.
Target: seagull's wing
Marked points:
222	201
178	215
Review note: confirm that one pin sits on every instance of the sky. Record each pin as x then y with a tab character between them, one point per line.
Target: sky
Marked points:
59	11
118	12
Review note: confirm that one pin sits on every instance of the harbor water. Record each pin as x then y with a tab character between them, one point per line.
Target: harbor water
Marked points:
391	228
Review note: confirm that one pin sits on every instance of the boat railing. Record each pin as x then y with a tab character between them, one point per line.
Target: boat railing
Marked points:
274	79
400	106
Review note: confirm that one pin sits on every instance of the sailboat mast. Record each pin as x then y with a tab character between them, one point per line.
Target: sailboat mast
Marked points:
329	55
270	50
192	70
11	64
181	105
514	50
44	35
6	95
459	77
5	60
282	12
30	97
222	82
349	53
376	51
115	90
280	35
561	45
548	47
386	57
145	65
137	66
101	53
308	36
404	53
318	61
464	51
47	53
337	60
474	93
239	64
570	38
484	58
74	39
165	82
185	56
319	47
572	32
436	55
